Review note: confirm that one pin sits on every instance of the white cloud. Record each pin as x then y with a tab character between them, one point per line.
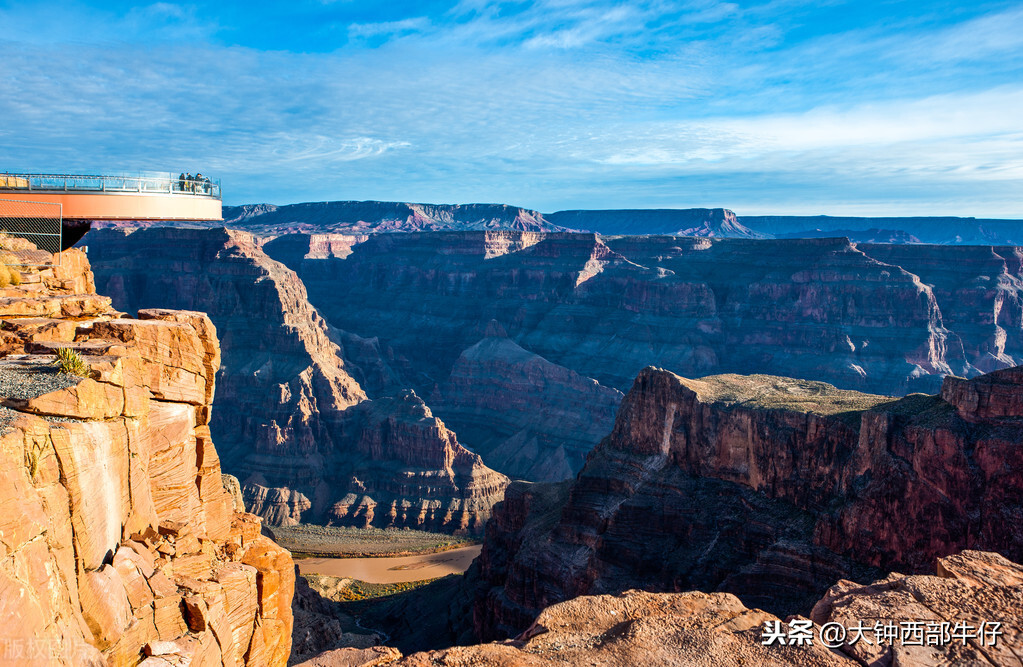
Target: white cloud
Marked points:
973	123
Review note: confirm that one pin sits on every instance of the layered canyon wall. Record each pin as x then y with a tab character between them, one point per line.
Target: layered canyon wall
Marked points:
770	488
295	426
601	309
506	333
820	309
119	543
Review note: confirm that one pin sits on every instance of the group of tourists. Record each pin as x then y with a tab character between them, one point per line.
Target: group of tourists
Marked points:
197	183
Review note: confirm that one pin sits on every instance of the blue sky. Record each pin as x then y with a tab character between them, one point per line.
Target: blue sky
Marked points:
774	107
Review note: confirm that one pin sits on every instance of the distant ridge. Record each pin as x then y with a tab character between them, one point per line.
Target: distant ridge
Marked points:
945	230
367	217
709	222
372	217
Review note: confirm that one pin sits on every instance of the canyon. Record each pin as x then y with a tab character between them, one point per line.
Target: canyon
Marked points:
120	544
294	425
523	342
765	487
670	523
606	307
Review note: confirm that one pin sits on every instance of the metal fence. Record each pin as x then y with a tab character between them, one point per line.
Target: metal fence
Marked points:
38	222
152	182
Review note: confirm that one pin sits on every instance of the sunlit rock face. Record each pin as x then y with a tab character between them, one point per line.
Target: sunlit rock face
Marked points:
119	540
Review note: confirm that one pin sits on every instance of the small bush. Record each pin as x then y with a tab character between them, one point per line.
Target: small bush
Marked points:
70	362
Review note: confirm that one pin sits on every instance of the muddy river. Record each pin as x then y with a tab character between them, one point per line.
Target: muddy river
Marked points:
393	570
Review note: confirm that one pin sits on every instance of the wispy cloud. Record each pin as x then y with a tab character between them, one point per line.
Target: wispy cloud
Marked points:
390	29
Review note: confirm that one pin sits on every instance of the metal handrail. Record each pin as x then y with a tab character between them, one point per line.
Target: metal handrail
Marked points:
145	182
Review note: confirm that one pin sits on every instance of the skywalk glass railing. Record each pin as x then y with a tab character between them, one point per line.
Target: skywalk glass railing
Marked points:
144	182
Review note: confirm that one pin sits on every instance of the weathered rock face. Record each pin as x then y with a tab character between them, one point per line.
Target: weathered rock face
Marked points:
404	468
292	249
285	395
119	543
977	592
766	487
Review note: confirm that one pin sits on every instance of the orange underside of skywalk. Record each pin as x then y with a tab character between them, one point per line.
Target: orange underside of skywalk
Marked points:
125	206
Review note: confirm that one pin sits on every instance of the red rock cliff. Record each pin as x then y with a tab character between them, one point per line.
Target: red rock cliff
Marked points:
119	543
767	487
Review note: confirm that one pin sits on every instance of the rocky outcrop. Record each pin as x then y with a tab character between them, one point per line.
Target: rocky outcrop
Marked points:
769	488
373	656
119	542
404	468
968	614
292	249
290	414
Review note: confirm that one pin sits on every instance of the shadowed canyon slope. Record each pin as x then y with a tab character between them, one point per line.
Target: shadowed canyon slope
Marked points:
297	429
767	487
117	536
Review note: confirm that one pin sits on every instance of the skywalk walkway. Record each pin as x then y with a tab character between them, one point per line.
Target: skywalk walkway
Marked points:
145	196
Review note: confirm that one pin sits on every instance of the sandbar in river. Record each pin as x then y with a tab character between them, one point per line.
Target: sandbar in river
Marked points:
395	569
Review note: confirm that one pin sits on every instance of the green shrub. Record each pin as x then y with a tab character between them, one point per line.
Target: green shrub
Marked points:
72	363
